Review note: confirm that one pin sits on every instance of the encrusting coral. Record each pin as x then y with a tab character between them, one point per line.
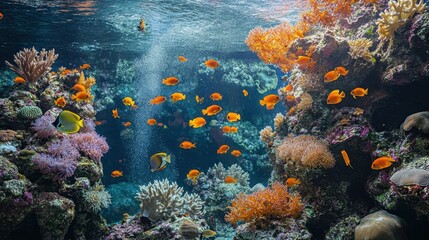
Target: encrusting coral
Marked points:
305	151
381	225
161	200
359	48
31	65
419	121
271	203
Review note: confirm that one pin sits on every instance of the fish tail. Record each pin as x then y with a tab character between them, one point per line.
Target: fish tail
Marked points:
184	97
298	181
342	95
168	158
193	145
354	96
204	111
73	97
238	117
191	123
80	123
366	91
152	102
262	102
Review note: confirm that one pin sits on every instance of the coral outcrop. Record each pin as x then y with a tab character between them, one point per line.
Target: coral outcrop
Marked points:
381	225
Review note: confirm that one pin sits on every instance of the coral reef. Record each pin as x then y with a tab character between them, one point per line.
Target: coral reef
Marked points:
359	48
419	120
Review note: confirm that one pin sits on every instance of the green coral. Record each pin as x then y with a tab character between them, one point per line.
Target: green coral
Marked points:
30	112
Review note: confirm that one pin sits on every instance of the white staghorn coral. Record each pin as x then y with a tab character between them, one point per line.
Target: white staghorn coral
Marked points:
162	199
397	15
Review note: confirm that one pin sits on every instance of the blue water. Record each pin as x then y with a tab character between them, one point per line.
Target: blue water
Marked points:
103	33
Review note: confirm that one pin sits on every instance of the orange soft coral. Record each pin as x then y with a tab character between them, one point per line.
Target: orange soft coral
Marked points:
274	202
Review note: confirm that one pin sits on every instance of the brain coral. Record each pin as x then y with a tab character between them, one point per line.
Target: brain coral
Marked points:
30	112
408	177
418	120
381	225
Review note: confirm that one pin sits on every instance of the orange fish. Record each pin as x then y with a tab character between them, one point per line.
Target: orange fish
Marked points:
245	92
158	100
151	121
223	149
270	101
216	96
127	101
170	81
19	80
331	76
79	87
290	98
1	16
288	88
177	96
346	158
230	179
382	163
98	123
199	100
341	70
81	96
233	117
115	113
85	66
291	111
233	129
193	175
53	73
335	97
182	59
359	92
187	145
211	110
211	63
116	174
236	153
226	129
305	62
66	72
60	102
290	182
197	122
126	124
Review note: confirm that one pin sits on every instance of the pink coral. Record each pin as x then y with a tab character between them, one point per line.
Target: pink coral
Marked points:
90	144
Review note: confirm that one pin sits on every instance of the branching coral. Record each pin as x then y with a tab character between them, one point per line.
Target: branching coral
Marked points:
279	120
267	135
359	48
270	203
162	199
31	65
398	13
306	151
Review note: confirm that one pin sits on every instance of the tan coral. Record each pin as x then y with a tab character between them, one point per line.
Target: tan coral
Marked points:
7	135
306	102
267	135
278	121
397	14
359	48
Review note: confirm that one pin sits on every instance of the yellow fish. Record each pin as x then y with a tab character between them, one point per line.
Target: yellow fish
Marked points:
69	122
159	161
177	96
127	101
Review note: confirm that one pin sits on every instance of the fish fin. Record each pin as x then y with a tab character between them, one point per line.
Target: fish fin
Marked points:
73	97
238	117
298	181
354	96
184	97
191	123
80	123
342	95
168	158
366	91
262	102
204	111
193	145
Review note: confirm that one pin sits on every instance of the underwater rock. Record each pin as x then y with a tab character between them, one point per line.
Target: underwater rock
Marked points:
54	214
188	229
89	169
8	170
419	120
344	229
275	230
409	177
381	225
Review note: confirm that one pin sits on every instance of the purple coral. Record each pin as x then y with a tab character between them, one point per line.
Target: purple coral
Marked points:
63	149
43	126
90	144
62	167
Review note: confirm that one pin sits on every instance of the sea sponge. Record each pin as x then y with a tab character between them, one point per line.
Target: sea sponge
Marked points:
418	120
381	225
306	151
410	177
359	48
30	112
